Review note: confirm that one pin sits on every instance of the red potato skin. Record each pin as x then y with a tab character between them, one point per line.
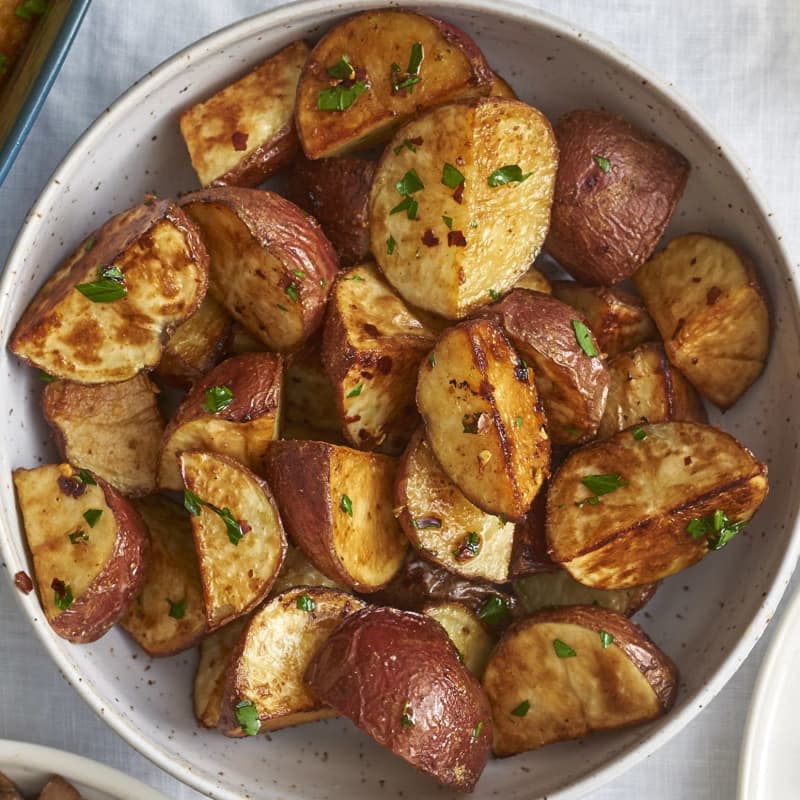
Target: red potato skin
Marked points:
264	161
108	596
381	663
529	554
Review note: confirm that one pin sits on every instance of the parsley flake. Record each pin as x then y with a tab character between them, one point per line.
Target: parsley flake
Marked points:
407	204
476	732
306	603
411	77
89	245
343	70
177	609
451	177
390	245
103	290
409	183
606	639
517	422
522	709
494	294
62	594
346	505
494	610
340	98
78	537
291	293
717	527
407	143
247	717
469	547
639	434
92	515
511	173
563	650
406	720
217	398
602	162
584	338
192	503
86	477
356	391
448	221
46	377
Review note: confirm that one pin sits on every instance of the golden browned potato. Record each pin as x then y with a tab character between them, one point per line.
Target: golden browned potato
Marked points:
459	219
443	525
265	687
616	190
271	266
111	429
337	505
529	554
501	88
238	534
649	502
297	570
372	348
245	132
234	410
618	319
397	676
57	788
242	341
89	547
467	633
372	72
106	312
567	672
712	313
645	387
8	791
336	192
168	614
482	418
535	281
570	375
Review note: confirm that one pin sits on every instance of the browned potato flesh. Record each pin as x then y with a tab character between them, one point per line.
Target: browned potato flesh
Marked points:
372	347
267	668
466	632
567	672
460	218
645	387
238	534
89	548
483	419
529	554
616	190
443	525
8	791
111	429
534	280
663	499
337	506
245	132
57	788
501	88
297	570
270	265
106	312
168	614
712	313
351	95
397	676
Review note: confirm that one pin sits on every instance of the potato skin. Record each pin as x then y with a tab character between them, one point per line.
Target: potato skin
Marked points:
607	222
381	664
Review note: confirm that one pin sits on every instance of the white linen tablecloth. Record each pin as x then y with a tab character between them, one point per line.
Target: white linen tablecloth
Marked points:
738	61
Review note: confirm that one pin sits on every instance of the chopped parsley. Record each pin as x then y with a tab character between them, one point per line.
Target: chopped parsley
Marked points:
109	286
78	537
470	422
476	732
494	610
92	515
356	391
247	717
86	477
522	709
193	504
354	277
602	162
639	434
406	719
600	485
341	97
717	527
447	221
451	177
343	70
469	547
217	398
606	639
563	650
299	274
306	603
407	204
584	338
407	143
432	359
411	77
517	422
177	609
89	245
572	431
291	293
390	245
62	594
346	505
511	173
46	377
409	183
494	294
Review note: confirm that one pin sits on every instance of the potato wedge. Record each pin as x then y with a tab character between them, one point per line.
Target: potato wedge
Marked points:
711	310
58	788
242	341
483	419
245	132
168	614
296	571
374	71
238	534
501	88
265	688
466	632
336	192
460	219
106	312
271	266
567	672
111	429
663	501
397	676
618	319
443	525
373	344
8	791
529	554
616	191
89	548
233	410
535	281
336	504
644	387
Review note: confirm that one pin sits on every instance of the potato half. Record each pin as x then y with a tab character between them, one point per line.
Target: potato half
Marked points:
459	219
467	633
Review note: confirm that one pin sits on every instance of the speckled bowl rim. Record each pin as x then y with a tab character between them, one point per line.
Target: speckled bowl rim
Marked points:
511	11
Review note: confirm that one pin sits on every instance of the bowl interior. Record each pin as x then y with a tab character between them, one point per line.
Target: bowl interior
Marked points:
707	618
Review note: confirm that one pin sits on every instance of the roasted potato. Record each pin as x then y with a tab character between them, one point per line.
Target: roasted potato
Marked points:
372	72
111	429
238	534
233	410
483	419
336	192
618	319
372	348
570	376
57	788
644	387
649	502
89	547
168	614
265	687
297	570
107	311
271	266
529	554
501	88
712	313
242	341
397	676
8	791
336	504
616	190
567	672
245	132
459	219
443	525
466	632
534	280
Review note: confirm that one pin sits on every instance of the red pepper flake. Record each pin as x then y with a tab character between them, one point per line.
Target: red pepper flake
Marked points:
244	526
456	239
429	238
458	194
416	141
384	364
239	140
23	582
71	487
713	294
59	587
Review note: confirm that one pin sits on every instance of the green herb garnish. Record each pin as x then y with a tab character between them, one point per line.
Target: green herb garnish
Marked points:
216	398
291	293
469	547
86	477
354	277
406	719
306	603
91	516
494	294
390	245
432	359
177	610
45	377
448	221
584	338
563	650
717	527
30	8
409	183
603	163
522	709
232	525
346	505
511	173
451	177
639	434
78	536
192	503
494	610
407	204
343	70
89	245
405	143
606	639
400	81
340	98
517	422
104	290
476	732
572	431
299	274
356	391
62	594
247	717
603	484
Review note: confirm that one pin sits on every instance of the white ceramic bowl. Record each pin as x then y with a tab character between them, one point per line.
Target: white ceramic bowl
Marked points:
707	618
